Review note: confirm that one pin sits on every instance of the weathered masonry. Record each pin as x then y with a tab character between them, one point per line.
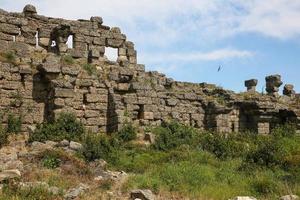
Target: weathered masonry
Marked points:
49	66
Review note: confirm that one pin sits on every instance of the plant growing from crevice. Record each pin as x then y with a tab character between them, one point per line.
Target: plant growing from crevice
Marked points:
3	136
68	60
127	133
17	99
66	126
14	123
89	68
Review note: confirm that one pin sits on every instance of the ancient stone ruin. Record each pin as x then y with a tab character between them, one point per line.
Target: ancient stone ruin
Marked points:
50	65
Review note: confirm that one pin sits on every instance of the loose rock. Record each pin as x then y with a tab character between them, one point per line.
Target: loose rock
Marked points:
289	197
75	146
142	194
9	174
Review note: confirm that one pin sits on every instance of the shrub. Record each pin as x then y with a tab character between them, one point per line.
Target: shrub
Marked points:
65	127
267	153
68	59
99	146
91	69
10	57
286	130
127	133
172	135
264	185
16	192
51	162
58	158
13	124
223	146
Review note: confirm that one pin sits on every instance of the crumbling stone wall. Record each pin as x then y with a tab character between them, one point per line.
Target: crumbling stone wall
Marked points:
90	37
41	77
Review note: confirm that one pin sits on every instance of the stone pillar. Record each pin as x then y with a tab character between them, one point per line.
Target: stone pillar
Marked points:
251	85
29	10
263	128
288	90
273	83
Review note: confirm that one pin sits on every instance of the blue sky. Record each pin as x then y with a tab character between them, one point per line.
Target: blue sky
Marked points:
189	39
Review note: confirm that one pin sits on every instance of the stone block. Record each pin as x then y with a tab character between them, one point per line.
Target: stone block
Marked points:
44	42
99	41
251	85
273	83
171	102
9	29
122	87
97	19
94	98
115	43
263	128
122	52
64	93
25	69
51	64
29	10
91	113
288	90
59	102
147	115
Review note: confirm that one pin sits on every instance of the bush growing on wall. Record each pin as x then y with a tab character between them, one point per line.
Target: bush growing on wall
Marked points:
13	124
3	136
99	146
172	135
65	127
127	133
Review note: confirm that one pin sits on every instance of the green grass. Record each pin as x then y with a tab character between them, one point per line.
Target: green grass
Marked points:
199	174
189	163
9	57
16	193
267	167
66	126
68	60
89	68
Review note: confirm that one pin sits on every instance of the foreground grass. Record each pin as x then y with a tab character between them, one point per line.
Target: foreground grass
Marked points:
183	163
200	175
212	166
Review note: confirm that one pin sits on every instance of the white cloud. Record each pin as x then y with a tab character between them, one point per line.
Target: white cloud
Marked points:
167	21
275	18
216	55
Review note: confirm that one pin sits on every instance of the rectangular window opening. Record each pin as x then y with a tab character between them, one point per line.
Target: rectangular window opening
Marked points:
111	53
70	42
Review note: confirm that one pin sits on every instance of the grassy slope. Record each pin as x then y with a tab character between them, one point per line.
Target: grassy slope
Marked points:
183	163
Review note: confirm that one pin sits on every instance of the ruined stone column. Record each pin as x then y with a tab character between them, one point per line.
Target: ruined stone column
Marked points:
29	10
251	85
288	90
273	83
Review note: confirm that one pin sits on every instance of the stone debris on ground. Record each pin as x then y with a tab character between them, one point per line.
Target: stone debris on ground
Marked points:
76	192
142	194
7	175
243	198
289	197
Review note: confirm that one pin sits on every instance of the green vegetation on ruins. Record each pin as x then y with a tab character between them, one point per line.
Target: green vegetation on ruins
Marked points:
185	161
